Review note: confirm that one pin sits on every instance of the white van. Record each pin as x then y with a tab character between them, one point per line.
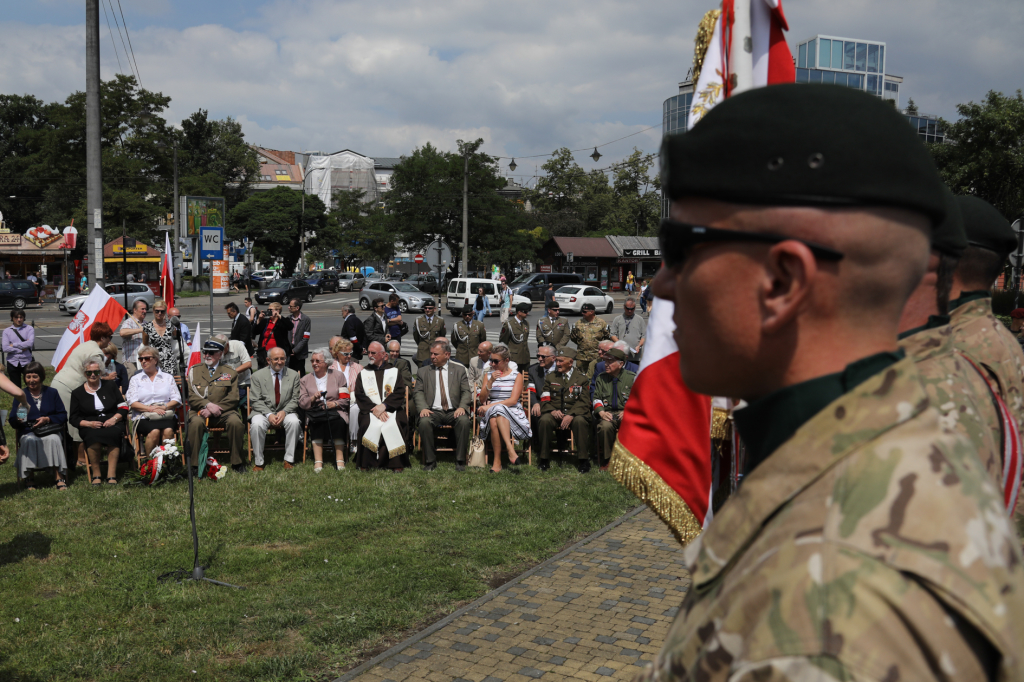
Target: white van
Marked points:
462	292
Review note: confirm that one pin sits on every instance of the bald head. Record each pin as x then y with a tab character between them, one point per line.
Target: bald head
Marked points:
394	346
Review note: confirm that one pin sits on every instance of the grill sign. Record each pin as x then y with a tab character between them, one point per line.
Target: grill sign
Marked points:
641	253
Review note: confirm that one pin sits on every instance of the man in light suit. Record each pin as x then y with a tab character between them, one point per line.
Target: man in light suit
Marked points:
274	396
443	397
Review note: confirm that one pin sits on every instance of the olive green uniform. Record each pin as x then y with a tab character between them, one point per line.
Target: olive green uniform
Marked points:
560	394
853	550
586	336
607	387
516	335
221	389
553	331
424	333
466	338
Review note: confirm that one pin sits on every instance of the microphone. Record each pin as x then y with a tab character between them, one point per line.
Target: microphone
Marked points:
175	322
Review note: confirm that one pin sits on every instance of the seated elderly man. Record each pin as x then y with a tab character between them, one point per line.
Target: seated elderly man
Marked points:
477	363
610	395
403	365
213	396
380	394
274	401
443	398
565	406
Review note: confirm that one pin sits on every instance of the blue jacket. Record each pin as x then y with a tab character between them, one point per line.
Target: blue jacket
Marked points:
487	305
50	406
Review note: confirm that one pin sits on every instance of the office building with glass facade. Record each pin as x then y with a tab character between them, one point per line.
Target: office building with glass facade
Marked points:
854	63
676	110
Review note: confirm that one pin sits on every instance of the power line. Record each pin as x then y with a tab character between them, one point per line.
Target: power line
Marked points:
120	69
130	44
121	36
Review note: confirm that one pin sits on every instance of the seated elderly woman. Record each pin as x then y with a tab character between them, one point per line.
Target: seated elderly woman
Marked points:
341	350
323	394
153	396
40	430
71	377
501	415
99	413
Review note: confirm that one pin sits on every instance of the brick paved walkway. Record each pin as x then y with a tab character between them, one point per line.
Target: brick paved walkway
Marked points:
598	611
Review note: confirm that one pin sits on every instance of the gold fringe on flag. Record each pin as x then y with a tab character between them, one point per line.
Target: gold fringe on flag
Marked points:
720	423
705	30
642	481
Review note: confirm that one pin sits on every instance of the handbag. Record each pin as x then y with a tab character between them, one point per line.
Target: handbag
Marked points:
47	429
403	328
477	454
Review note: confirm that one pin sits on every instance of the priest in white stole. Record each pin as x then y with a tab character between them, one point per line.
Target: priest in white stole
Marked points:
384	440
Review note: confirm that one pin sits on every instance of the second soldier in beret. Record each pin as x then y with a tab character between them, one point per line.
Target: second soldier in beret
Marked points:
467	334
515	334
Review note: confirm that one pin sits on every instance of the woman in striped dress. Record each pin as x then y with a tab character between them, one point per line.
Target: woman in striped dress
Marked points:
501	415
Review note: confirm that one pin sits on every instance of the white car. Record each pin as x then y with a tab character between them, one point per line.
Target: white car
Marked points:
572	297
462	292
265	275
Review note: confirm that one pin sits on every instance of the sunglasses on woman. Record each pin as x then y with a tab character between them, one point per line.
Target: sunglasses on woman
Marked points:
146	357
92	372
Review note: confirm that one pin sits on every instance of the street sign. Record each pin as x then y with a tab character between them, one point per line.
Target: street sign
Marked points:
568	257
211	243
419	258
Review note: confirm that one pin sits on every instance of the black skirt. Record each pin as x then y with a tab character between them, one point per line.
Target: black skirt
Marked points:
318	428
147	425
105	435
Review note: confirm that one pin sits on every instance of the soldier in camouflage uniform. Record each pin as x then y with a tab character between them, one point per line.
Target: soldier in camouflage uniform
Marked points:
866	542
515	333
467	334
553	329
610	395
213	395
565	404
586	334
425	331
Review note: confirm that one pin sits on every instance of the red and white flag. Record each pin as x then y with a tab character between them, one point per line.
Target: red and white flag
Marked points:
98	307
167	272
195	351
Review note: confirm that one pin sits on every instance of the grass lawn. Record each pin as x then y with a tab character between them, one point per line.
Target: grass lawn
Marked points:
334	565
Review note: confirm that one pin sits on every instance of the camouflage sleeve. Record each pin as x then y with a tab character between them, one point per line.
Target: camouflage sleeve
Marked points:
605	333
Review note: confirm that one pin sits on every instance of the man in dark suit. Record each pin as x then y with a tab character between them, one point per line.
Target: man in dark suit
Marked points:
536	374
352	329
302	328
376	326
443	397
241	328
404	367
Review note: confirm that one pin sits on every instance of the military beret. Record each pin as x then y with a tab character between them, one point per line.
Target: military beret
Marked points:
523	307
212	345
804	145
566	353
467	310
553	305
617	354
587	306
986	227
948	237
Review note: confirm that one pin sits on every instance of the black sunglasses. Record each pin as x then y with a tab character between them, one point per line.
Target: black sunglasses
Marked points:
676	238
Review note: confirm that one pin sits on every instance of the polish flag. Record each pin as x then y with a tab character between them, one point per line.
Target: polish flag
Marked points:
728	68
167	272
98	307
663	455
195	351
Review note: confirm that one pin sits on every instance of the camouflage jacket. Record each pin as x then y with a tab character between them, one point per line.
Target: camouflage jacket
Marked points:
960	393
554	332
871	545
586	336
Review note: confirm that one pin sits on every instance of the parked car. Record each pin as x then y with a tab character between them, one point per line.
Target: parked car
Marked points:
375	277
71	304
462	292
265	275
350	281
571	299
283	290
18	293
425	282
532	285
410	297
323	280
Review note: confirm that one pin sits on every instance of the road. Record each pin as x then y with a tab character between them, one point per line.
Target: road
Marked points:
324	311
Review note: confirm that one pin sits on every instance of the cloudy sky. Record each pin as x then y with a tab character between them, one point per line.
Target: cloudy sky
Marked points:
527	76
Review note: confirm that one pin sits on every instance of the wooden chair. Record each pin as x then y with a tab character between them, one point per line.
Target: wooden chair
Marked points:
267	445
327	446
137	444
523	447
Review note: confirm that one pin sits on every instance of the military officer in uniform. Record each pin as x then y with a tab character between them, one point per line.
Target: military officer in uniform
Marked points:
515	333
610	395
213	395
565	404
425	331
851	549
586	334
553	329
467	335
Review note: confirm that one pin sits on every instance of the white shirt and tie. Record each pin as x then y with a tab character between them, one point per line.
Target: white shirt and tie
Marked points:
442	396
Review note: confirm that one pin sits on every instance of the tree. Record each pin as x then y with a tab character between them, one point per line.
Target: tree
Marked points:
214	159
356	232
272	218
569	202
911	107
983	154
637	205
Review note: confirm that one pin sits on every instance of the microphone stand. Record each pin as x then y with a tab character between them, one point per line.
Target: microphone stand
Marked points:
198	572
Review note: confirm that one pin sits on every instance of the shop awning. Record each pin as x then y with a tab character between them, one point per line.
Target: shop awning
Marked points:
113	252
132	259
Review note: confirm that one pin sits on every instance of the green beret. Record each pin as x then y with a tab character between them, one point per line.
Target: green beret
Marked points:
617	354
553	305
523	307
948	237
804	145
566	353
467	310
587	306
986	227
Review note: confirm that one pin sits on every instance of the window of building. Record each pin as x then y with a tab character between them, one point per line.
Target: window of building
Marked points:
824	53
837	54
265	178
815	76
281	172
801	75
828	77
862	57
801	60
873	85
892	87
881	59
812	50
856	81
849	53
872	58
841	79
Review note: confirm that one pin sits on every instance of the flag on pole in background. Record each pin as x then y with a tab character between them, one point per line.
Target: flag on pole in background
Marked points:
98	307
663	452
195	351
167	272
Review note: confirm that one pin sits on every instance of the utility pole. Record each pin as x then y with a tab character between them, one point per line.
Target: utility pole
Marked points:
93	150
465	213
176	248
